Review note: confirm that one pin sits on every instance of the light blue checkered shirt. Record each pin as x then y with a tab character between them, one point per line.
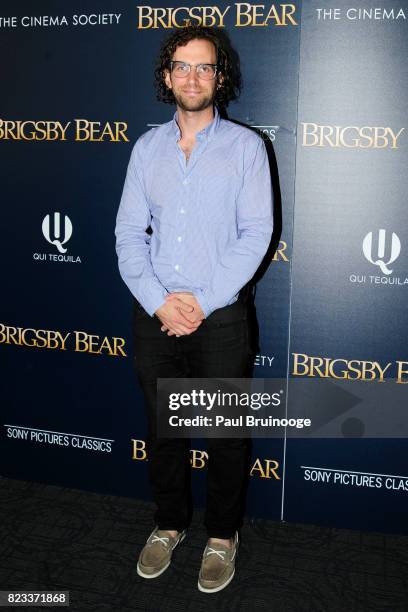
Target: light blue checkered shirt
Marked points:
211	217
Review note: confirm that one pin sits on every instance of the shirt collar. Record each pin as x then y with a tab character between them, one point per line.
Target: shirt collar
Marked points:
208	132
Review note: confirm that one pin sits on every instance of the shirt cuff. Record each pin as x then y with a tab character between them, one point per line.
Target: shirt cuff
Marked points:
153	299
202	300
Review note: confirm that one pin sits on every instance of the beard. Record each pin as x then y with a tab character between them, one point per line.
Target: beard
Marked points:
198	103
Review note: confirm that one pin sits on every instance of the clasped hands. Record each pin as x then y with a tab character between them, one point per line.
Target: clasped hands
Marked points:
181	314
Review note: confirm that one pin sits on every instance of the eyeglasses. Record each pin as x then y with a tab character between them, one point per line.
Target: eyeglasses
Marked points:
203	71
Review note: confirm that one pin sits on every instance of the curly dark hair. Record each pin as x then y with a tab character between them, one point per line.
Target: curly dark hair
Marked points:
227	62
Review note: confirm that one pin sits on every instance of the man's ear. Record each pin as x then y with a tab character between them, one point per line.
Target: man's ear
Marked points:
220	80
167	79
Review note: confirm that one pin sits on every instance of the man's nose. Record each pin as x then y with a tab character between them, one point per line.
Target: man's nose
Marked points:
192	76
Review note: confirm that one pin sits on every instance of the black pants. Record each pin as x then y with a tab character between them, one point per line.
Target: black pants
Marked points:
219	348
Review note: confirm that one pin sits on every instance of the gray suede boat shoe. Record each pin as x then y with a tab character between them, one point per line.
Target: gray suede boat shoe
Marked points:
217	566
155	556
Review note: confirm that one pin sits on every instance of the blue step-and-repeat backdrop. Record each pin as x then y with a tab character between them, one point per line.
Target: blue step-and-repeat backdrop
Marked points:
327	88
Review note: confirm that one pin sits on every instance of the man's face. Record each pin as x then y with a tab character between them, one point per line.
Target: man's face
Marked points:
192	93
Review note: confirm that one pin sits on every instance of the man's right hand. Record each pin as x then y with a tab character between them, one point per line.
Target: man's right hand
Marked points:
171	315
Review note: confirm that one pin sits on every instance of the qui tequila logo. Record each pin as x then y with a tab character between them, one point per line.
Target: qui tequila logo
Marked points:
56	237
379	258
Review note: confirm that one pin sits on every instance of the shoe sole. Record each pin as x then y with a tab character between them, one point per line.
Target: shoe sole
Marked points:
216	589
163	569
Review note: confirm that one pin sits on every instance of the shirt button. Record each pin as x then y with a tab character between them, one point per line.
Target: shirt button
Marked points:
176	267
179	238
185	182
182	211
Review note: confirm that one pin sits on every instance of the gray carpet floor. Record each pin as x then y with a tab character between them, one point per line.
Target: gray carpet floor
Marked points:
54	538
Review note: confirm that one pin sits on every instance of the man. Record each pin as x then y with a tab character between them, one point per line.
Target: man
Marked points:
203	186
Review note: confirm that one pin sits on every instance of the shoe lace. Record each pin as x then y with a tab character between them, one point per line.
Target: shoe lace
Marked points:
220	553
162	539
